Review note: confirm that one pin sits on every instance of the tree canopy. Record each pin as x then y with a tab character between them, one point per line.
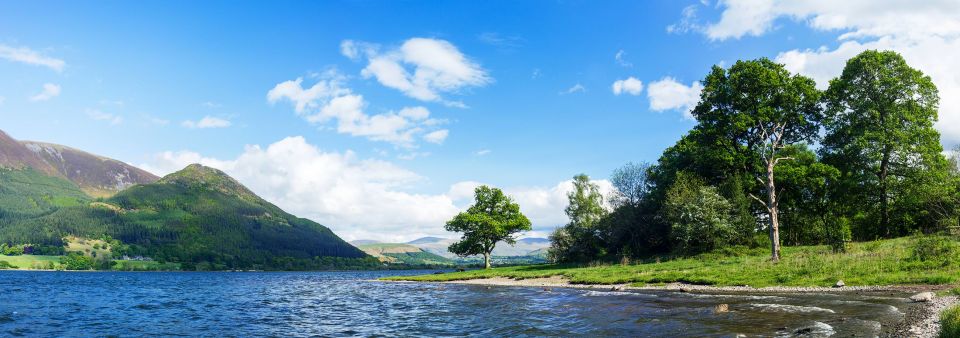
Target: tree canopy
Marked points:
493	217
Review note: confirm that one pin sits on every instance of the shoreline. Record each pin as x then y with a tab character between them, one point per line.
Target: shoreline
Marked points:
921	319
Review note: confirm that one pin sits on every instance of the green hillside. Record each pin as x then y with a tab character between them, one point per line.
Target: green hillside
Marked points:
199	217
399	253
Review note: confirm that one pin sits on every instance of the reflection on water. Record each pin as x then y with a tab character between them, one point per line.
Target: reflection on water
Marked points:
349	304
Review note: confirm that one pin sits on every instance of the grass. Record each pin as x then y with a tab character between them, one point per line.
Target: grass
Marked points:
89	247
885	262
950	322
130	265
31	261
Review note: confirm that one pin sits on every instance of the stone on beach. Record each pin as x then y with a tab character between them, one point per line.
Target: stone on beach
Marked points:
922	297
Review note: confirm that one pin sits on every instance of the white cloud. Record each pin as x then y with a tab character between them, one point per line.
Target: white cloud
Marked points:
629	85
926	33
101	116
421	68
211	104
360	198
436	136
620	58
49	91
207	122
577	88
328	100
502	42
482	152
32	57
668	94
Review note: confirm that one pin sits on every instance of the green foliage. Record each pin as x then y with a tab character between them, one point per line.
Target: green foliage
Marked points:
888	264
699	217
934	249
838	233
76	261
950	322
879	134
492	218
581	238
6	265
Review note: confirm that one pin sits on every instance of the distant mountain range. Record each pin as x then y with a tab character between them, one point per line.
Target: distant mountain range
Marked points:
400	253
199	216
532	248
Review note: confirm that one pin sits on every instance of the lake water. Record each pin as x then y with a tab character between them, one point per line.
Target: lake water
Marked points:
349	304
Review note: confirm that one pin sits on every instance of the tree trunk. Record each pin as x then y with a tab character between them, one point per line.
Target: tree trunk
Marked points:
773	210
486	260
884	201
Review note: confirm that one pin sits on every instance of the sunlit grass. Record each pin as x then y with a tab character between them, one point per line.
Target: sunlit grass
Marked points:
886	262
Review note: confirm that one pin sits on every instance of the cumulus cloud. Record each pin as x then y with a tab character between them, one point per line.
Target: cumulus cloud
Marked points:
359	198
436	136
30	57
329	100
629	85
49	91
207	122
98	115
926	33
668	94
421	68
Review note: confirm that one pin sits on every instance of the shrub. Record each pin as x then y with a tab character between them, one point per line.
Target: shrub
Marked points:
838	234
950	322
933	248
6	265
699	217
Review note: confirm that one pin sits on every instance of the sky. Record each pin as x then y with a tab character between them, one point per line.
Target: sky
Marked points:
378	118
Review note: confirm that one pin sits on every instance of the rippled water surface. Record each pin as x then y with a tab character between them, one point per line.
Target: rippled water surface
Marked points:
349	304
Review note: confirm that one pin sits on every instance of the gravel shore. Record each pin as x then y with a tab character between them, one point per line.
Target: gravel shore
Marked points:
921	320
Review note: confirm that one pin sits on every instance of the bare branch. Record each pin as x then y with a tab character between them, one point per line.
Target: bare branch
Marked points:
764	204
782	158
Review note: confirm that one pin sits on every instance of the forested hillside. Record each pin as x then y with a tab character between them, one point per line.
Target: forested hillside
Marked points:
199	217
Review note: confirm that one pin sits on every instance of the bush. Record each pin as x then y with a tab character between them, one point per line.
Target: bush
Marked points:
950	322
839	234
934	248
6	265
699	217
75	261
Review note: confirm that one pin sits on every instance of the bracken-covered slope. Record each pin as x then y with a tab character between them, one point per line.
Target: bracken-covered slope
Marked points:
97	176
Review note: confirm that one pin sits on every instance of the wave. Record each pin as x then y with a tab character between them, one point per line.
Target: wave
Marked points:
616	293
789	308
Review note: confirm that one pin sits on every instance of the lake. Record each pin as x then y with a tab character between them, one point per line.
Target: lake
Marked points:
350	304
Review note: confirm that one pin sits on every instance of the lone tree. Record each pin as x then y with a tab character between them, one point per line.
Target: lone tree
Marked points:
758	108
493	217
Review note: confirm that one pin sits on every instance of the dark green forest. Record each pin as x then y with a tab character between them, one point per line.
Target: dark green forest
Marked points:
198	217
774	160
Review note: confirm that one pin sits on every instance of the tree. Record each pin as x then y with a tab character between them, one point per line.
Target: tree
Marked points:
492	218
755	109
699	217
582	234
631	184
879	122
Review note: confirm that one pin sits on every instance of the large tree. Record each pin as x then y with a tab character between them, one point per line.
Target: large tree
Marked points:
493	217
750	113
879	133
581	239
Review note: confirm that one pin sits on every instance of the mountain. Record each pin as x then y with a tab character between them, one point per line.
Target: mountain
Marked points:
400	253
360	242
198	217
523	246
95	175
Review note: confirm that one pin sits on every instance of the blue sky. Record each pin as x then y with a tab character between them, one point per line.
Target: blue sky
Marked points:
522	91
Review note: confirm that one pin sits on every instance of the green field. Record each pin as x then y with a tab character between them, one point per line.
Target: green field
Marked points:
130	265
885	262
31	261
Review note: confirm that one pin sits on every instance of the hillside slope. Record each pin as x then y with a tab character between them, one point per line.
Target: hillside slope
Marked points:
198	216
400	253
95	175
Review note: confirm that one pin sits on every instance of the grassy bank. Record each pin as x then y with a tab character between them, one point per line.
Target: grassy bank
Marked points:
32	261
885	262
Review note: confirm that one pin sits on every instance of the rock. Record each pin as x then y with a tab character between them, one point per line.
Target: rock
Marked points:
922	297
839	284
617	288
685	289
721	308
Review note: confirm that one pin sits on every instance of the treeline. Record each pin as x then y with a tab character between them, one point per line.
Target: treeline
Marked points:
774	160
